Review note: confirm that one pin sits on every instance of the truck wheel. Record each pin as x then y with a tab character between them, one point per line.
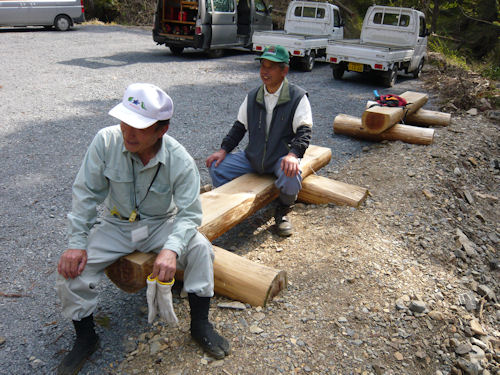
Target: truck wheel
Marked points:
416	72
62	23
338	71
389	77
308	61
176	51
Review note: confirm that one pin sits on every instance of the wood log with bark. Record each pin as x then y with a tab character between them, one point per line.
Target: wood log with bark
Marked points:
377	119
349	125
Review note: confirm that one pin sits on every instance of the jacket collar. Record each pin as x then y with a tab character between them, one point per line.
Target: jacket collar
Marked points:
284	93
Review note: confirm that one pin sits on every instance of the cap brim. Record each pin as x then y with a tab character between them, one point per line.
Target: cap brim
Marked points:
131	118
270	58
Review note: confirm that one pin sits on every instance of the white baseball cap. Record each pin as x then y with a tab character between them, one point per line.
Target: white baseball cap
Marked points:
143	104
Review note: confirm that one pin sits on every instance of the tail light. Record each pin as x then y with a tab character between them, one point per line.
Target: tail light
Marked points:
378	66
83	8
198	30
296	52
333	59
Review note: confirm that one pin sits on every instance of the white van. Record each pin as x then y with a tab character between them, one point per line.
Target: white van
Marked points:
62	14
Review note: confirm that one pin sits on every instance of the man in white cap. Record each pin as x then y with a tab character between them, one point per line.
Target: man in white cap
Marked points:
150	188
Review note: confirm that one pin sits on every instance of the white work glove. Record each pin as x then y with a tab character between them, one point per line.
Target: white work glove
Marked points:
164	301
159	296
151	297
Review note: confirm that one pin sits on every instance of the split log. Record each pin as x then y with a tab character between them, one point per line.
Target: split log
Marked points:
423	117
321	190
223	208
235	277
349	125
377	119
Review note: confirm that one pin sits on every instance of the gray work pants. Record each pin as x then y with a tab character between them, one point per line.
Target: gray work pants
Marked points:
111	239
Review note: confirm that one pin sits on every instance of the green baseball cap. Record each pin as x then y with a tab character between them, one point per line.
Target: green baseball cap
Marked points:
275	53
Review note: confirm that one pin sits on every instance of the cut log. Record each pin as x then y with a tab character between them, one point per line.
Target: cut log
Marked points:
423	117
321	190
223	208
235	277
377	119
349	125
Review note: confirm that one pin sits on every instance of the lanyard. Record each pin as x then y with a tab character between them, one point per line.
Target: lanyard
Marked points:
134	213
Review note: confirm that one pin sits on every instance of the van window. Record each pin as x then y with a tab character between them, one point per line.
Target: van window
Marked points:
422	28
298	12
260	6
320	13
226	6
377	18
390	19
336	18
309	12
404	20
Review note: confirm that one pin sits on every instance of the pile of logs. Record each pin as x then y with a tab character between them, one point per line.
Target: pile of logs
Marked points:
384	123
228	205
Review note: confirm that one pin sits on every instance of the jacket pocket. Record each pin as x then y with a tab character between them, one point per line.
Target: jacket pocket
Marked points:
120	183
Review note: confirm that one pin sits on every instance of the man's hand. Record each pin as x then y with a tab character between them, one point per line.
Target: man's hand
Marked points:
218	156
290	165
72	263
165	265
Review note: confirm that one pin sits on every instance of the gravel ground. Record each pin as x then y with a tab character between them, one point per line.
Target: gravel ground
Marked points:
55	90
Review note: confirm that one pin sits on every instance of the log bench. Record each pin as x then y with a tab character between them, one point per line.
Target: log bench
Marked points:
223	208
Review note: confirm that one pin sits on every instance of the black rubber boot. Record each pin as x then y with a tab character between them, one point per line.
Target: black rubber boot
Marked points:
283	223
86	343
202	330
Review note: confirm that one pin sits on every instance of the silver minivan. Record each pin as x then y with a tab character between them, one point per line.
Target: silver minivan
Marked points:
209	25
62	14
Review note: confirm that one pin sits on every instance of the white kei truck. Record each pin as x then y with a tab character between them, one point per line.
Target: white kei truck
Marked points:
309	26
392	39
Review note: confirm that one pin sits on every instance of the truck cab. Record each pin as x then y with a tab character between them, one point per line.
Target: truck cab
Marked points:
209	25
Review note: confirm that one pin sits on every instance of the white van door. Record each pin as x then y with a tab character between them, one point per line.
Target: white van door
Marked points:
421	46
260	16
14	13
224	22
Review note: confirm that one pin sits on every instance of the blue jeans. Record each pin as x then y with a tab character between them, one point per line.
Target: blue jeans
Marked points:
237	164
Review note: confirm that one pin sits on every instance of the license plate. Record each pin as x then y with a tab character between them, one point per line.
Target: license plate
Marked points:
355	67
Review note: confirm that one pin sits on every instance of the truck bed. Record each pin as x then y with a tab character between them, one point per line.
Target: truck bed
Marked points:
355	51
289	41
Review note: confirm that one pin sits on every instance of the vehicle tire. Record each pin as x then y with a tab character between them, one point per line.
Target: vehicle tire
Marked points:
176	51
308	61
62	23
416	72
338	71
215	53
389	77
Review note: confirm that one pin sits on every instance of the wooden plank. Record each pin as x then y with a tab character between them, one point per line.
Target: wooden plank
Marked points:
377	119
349	125
423	117
223	208
321	190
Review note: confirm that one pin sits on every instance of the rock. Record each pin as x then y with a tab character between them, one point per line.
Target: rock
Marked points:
37	363
256	329
2	340
436	315
485	291
155	347
398	356
477	328
493	115
342	319
479	343
457	171
417	306
259	316
472	112
468	301
484	104
463	348
477	354
465	243
232	305
469	368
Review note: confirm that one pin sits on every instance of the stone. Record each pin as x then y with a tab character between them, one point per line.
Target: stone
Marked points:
493	115
465	243
436	315
485	291
477	328
417	306
235	305
463	348
477	354
469	368
398	356
468	301
472	112
2	340
256	329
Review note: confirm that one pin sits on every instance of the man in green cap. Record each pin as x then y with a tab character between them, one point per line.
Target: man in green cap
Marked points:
278	118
